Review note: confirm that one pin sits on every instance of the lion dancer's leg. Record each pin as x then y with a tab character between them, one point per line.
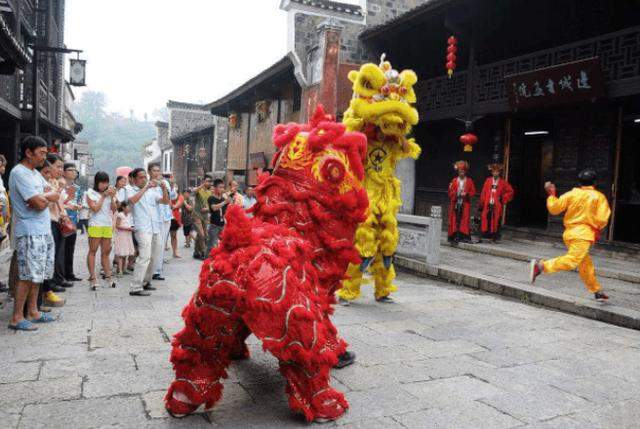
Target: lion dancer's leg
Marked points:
383	270
306	344
239	350
366	243
202	351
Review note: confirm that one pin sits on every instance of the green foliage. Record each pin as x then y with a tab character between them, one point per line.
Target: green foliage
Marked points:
114	140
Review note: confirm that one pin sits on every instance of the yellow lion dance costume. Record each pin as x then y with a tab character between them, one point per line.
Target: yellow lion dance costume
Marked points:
382	108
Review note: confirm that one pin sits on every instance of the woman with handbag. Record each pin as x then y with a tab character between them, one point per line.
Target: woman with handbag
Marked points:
101	200
52	172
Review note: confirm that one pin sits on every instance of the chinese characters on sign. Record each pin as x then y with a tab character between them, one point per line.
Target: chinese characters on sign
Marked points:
566	83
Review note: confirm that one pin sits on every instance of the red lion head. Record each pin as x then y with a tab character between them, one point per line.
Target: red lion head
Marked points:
322	159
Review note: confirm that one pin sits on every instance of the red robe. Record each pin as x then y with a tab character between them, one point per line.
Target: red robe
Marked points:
503	194
465	220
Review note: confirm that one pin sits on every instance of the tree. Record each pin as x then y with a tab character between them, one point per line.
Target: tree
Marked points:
113	139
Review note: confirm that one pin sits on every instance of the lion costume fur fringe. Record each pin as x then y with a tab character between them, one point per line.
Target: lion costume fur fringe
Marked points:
275	274
382	108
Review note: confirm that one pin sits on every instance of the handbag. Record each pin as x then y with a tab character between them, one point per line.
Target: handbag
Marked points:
67	227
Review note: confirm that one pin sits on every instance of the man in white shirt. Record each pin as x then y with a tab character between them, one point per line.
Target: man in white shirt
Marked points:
147	228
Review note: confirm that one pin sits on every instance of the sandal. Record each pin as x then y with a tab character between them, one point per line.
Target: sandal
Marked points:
23	325
44	318
93	284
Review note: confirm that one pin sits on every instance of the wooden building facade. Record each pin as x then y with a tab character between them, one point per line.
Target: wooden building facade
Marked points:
252	111
550	87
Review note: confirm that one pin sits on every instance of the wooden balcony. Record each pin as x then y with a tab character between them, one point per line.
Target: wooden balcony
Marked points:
619	54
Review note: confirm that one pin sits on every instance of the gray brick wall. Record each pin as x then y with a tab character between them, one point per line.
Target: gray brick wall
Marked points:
162	135
351	49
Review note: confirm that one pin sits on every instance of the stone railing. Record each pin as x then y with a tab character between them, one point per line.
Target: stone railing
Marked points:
420	236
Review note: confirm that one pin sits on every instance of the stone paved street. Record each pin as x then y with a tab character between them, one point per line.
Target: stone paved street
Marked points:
441	356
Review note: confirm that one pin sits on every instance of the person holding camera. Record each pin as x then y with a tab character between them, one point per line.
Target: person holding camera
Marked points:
102	203
200	217
218	203
147	228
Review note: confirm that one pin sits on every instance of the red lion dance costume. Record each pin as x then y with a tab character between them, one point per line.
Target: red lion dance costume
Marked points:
274	275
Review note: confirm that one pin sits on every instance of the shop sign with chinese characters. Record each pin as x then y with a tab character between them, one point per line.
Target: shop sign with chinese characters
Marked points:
574	82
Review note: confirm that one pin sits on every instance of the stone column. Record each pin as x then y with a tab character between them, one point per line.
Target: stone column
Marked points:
406	172
329	33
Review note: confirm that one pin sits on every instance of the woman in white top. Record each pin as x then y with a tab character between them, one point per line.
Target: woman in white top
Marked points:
102	203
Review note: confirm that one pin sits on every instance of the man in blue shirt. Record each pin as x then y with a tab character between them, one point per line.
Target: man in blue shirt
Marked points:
147	228
30	196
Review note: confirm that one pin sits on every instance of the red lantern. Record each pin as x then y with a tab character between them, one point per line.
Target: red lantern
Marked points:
468	140
451	55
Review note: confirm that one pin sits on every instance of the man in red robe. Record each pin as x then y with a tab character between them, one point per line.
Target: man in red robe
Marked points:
461	189
496	193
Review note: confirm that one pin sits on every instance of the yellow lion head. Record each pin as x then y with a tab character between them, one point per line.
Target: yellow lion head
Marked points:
383	97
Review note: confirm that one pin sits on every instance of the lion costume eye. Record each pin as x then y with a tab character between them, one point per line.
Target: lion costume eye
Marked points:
333	171
332	168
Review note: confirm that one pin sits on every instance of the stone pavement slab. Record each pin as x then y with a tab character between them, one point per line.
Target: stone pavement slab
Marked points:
441	356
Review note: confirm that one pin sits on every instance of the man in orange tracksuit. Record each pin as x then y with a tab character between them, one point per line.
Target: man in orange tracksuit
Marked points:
586	214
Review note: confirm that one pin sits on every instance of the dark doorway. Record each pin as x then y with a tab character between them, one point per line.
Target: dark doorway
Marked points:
627	226
535	163
531	165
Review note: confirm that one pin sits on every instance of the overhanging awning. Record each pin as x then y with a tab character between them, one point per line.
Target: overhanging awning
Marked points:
13	49
249	89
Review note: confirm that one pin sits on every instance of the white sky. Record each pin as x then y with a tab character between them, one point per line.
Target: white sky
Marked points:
141	53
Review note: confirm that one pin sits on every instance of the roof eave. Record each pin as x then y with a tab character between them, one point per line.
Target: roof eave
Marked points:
408	17
220	106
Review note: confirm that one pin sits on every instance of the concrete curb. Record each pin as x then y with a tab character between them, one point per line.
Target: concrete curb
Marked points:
607	313
626	276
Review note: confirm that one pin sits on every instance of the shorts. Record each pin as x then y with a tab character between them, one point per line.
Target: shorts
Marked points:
35	257
174	225
100	232
187	230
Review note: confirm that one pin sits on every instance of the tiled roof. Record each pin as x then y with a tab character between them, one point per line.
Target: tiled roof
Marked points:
350	9
172	104
401	20
183	137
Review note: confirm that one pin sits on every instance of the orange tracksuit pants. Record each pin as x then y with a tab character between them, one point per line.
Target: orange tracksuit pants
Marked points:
577	256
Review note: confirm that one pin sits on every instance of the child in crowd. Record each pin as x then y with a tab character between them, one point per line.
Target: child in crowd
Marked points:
124	236
102	203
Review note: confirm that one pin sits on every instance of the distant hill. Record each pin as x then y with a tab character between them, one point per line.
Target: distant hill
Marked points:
114	140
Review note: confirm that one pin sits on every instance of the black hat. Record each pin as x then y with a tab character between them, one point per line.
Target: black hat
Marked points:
587	177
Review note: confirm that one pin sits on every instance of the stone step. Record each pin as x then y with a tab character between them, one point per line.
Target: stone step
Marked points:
588	308
496	250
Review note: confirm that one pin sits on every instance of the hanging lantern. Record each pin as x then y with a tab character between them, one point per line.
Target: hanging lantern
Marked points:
452	49
468	140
